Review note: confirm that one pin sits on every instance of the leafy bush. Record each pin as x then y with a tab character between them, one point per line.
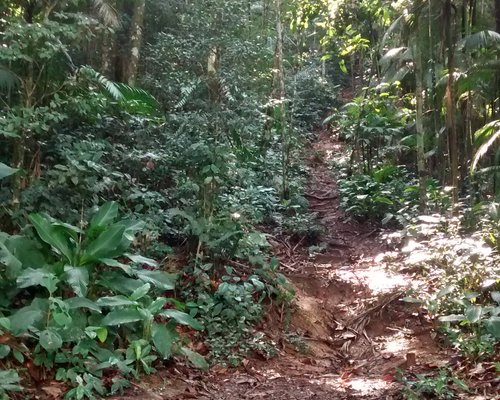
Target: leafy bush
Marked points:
441	385
385	191
378	126
388	193
86	306
463	274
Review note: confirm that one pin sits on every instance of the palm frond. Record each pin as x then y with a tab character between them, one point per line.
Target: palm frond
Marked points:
108	85
493	129
494	169
480	40
187	91
107	13
397	24
395	54
6	171
139	99
8	79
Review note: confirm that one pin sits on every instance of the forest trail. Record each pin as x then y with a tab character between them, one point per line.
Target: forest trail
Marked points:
348	331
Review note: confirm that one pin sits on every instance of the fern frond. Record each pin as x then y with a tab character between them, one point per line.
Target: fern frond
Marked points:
481	40
396	54
494	127
107	13
138	98
187	92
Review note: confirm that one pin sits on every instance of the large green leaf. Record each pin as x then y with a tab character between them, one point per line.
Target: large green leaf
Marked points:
82	302
106	214
182	318
34	277
116	264
164	337
78	278
50	340
140	292
118	283
52	235
196	359
105	244
493	326
6	171
25	318
12	264
141	260
26	251
160	279
115	301
473	313
119	317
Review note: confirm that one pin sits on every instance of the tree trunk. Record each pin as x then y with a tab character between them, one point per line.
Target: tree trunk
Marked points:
135	41
108	55
450	101
280	96
419	97
214	89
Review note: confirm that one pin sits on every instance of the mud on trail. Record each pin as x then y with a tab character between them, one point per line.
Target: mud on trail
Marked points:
351	329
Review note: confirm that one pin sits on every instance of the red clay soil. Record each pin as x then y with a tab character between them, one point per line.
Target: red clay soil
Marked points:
351	328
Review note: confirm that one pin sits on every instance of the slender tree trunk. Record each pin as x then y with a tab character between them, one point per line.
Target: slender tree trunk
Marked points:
497	78
419	96
19	145
108	55
212	70
450	101
280	95
135	41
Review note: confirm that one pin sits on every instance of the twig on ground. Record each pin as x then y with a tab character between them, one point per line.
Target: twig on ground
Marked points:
298	244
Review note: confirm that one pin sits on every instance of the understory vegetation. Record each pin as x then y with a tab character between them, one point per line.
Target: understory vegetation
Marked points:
423	132
150	150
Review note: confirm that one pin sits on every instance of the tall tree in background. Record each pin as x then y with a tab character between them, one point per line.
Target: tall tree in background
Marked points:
449	34
419	123
135	40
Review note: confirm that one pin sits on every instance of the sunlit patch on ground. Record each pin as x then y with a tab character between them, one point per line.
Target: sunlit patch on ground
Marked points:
375	278
397	343
360	385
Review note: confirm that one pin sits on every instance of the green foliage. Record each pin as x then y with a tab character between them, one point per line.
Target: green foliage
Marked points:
9	382
6	171
229	314
378	125
388	194
82	296
464	271
439	385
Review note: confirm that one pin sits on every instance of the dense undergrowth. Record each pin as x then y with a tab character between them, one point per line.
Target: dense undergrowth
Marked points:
135	221
454	249
150	148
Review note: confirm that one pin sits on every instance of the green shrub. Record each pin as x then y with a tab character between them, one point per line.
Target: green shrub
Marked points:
84	304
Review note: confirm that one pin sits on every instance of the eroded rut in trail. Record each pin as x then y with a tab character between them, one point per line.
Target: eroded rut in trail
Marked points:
351	328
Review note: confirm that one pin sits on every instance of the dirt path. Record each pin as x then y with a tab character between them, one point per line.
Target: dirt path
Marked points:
348	311
348	330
